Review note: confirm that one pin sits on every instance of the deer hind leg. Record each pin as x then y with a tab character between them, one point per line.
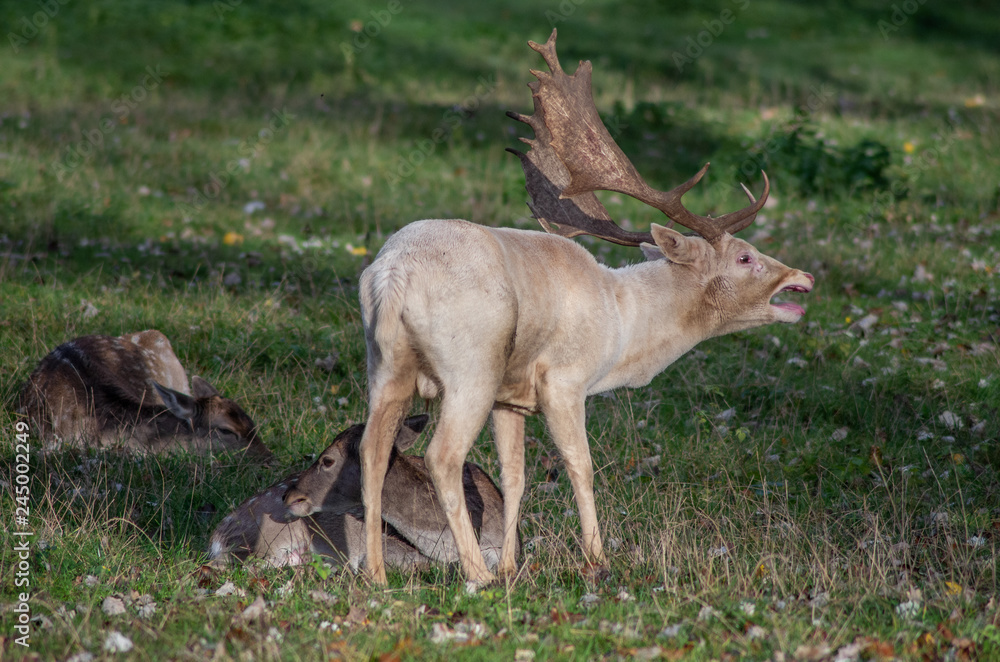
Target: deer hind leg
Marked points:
566	419
389	403
508	431
463	413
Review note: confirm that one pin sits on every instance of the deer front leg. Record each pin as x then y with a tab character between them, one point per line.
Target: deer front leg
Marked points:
375	448
457	429
508	431
566	419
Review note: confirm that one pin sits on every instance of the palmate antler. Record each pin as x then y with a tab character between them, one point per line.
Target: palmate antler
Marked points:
572	155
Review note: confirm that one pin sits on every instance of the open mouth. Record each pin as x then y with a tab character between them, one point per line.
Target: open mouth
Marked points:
787	305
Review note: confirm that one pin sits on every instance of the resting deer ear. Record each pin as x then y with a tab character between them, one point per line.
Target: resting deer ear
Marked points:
674	246
180	404
201	388
412	427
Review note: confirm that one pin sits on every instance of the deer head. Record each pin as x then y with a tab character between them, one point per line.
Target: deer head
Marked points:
333	482
572	155
210	421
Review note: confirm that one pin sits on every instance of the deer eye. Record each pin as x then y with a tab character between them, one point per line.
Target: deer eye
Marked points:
745	258
326	461
226	432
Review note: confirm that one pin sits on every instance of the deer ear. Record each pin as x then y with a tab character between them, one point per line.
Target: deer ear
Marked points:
412	427
202	389
180	404
675	246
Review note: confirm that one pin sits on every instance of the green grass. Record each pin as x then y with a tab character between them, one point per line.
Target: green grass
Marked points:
818	486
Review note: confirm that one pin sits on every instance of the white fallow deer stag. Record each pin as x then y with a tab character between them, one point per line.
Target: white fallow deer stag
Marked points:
514	322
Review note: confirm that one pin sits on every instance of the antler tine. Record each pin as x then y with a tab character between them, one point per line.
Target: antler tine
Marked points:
546	173
754	204
546	177
548	53
566	122
710	228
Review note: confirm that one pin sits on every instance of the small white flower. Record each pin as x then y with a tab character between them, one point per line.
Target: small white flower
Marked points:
908	609
707	613
848	653
670	631
748	608
726	415
88	309
976	541
624	596
950	420
145	606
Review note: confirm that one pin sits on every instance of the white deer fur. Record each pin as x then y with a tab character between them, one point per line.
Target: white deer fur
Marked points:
516	322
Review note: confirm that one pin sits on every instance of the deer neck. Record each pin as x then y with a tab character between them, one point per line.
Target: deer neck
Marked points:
664	314
409	502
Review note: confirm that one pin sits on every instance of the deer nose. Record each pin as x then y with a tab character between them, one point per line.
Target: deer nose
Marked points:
811	279
298	503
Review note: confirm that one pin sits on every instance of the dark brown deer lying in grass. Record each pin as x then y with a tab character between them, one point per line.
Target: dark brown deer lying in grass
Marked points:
319	511
513	322
132	389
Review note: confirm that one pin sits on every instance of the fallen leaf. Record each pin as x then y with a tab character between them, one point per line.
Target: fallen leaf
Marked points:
205	575
116	642
357	615
649	653
878	650
229	588
256	611
113	606
811	653
322	596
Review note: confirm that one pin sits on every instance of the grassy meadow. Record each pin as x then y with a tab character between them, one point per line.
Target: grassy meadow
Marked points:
223	171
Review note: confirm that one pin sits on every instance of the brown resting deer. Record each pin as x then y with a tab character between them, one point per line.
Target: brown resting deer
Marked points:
331	487
506	322
263	527
132	388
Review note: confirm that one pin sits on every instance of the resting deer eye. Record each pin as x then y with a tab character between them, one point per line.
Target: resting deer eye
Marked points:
226	431
746	258
326	462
